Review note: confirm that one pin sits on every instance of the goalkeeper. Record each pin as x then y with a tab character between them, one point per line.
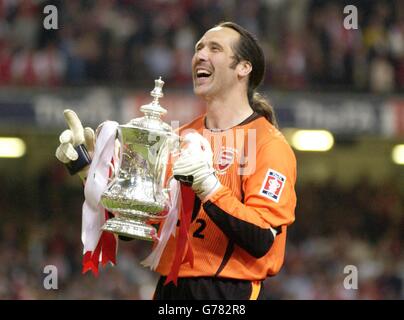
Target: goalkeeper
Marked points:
243	173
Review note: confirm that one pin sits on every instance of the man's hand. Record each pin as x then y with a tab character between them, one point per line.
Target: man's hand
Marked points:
70	150
195	166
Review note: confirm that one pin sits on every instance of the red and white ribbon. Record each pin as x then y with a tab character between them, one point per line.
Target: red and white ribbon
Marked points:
168	229
98	245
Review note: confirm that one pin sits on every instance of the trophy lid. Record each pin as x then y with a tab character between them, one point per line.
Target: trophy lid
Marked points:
154	108
153	111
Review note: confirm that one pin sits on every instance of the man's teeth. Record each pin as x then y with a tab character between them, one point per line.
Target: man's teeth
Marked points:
202	73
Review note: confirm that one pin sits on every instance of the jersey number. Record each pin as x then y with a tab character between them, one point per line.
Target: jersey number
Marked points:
202	226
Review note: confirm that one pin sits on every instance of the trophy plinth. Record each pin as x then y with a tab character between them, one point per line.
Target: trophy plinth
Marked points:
139	191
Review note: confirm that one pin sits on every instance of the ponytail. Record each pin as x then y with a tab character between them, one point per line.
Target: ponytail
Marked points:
261	106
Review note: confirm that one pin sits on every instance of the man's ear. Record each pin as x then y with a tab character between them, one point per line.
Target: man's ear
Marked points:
244	68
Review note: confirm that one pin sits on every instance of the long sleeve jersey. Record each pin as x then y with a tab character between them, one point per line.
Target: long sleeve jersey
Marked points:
232	232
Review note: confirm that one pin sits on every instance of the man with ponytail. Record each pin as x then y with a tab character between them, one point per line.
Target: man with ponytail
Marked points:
237	175
242	172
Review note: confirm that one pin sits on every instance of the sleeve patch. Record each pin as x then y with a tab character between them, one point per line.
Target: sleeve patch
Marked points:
273	185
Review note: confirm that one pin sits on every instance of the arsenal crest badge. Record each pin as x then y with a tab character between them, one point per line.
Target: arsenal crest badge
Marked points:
225	160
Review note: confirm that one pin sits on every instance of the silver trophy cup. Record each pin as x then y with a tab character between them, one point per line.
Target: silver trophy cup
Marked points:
139	191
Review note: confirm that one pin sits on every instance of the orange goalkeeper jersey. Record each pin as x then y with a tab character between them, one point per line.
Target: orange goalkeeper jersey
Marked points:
230	231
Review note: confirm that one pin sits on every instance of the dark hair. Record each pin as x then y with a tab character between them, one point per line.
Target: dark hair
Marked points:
248	49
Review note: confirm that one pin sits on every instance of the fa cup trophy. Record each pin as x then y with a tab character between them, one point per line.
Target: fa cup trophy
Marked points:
139	191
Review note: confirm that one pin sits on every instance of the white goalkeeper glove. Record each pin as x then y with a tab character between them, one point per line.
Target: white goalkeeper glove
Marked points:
195	166
76	145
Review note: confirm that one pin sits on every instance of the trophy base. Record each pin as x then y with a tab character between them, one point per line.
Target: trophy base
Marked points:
130	228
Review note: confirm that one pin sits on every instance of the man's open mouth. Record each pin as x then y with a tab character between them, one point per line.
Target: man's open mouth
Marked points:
202	73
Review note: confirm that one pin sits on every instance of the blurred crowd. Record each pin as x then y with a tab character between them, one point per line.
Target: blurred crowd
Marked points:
340	231
129	42
41	226
360	226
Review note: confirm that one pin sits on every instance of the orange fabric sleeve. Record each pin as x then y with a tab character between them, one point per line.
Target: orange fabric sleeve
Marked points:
261	207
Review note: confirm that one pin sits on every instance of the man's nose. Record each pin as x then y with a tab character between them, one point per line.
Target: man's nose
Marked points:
201	55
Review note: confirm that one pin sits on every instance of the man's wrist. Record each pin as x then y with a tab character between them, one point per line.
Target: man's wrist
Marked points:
82	161
209	187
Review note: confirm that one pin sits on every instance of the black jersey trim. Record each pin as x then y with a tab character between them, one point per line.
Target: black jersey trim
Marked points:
255	240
